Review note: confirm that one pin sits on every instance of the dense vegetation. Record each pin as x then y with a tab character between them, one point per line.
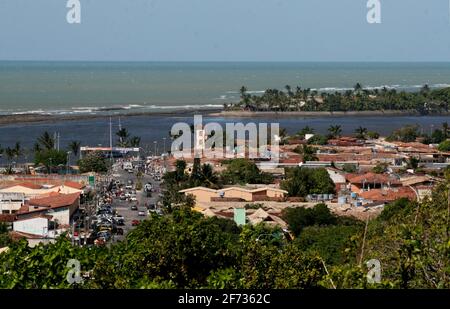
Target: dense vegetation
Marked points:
93	162
424	101
303	181
186	250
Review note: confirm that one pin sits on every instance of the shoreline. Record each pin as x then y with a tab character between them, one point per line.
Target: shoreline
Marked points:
389	113
39	118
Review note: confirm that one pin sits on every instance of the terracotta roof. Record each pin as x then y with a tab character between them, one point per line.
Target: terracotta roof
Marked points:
28	185
54	182
15	235
388	195
7	217
54	201
372	178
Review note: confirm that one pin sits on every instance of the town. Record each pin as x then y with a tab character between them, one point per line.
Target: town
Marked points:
112	190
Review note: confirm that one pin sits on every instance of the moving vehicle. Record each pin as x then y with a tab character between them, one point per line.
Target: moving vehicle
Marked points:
134	207
135	222
141	213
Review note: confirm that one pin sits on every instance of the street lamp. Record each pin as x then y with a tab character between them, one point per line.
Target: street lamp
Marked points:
155	143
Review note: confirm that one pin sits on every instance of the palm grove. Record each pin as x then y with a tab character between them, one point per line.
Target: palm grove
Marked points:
424	101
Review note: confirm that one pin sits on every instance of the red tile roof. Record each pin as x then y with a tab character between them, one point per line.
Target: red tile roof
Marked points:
388	195
28	185
54	182
54	201
372	178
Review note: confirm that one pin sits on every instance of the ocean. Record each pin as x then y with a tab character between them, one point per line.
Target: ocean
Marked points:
122	87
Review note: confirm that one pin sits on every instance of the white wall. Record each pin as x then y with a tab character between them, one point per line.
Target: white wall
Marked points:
36	226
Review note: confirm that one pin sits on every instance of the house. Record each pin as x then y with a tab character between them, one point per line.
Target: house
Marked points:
388	195
262	216
338	178
368	181
11	202
60	206
32	239
36	225
248	194
32	190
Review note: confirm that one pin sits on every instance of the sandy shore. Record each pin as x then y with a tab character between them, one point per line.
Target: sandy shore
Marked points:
36	118
318	114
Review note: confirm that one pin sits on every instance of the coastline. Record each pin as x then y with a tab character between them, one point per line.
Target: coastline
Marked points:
389	113
42	118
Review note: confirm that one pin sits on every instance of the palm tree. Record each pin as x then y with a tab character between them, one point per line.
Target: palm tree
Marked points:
10	154
361	132
308	153
335	131
306	130
37	148
358	87
135	141
74	146
17	151
46	141
123	136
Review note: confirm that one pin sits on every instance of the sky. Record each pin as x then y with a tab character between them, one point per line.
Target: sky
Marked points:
225	30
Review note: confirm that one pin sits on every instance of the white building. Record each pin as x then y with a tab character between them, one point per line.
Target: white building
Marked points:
10	202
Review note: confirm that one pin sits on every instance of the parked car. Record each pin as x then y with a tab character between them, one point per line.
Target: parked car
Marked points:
134	207
151	206
135	222
119	231
133	198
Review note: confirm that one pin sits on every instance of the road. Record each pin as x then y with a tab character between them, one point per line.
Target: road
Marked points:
124	207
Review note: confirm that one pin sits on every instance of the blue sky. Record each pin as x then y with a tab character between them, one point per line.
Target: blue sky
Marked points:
225	30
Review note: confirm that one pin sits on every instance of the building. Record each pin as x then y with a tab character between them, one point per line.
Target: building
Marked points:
60	206
34	189
10	203
369	181
36	225
205	195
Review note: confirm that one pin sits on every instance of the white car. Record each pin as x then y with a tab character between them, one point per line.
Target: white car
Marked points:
141	213
133	198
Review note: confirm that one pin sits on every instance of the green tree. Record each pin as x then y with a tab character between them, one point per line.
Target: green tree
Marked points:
361	132
303	181
300	217
308	153
335	131
243	171
123	135
74	146
46	141
50	158
93	162
444	146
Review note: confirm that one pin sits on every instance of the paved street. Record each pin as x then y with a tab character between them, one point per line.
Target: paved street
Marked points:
124	207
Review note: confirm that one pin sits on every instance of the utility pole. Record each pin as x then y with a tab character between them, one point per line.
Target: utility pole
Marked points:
110	137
